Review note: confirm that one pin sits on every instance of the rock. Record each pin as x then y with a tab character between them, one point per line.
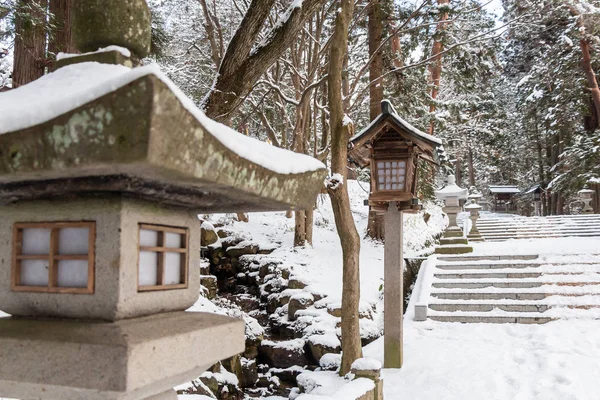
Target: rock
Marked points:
211	285
204	267
246	302
252	345
299	301
330	362
285	272
317	294
223	232
208	235
233	365
215	254
274	285
241	249
320	345
249	375
267	249
296	282
284	354
335	309
231	241
276	300
211	383
287	375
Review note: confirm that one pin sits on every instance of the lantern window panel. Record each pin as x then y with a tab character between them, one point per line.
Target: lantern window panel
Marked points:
391	175
53	257
163	257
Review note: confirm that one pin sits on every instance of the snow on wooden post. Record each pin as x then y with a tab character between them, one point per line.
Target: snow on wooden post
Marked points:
393	148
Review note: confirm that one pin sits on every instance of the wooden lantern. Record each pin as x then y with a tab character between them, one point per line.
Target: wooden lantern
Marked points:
393	148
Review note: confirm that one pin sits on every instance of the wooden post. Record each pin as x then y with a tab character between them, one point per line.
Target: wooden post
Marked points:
393	288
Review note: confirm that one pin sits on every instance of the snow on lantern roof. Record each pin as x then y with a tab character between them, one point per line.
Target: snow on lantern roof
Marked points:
503	189
388	110
360	142
451	190
472	206
91	120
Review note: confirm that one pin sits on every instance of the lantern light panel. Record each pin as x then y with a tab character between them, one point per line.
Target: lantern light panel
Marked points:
391	175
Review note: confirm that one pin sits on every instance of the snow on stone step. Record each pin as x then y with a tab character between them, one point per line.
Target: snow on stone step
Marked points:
468	258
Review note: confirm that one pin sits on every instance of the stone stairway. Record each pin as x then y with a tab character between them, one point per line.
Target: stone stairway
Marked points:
499	229
509	289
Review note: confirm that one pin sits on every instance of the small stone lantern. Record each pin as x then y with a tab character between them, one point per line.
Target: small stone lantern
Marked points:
393	147
103	172
473	208
474	194
586	196
453	241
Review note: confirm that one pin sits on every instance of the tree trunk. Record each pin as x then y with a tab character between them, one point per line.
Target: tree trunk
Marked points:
471	168
338	191
375	35
435	69
590	76
375	226
30	42
458	171
61	40
244	62
310	214
300	228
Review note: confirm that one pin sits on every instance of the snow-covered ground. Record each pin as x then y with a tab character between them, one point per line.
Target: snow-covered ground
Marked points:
557	360
321	263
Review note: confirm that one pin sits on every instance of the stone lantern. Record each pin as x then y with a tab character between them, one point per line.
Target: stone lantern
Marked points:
453	241
103	171
393	148
474	194
473	208
586	196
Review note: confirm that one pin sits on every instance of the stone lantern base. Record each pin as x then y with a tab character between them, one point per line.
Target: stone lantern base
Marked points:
453	241
134	359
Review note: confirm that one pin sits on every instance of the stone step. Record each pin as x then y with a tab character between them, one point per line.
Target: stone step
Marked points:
486	307
484	222
549	229
464	318
489	257
478	266
493	275
583	221
508	231
457	240
502	295
503	305
542	220
482	285
502	284
509	275
503	238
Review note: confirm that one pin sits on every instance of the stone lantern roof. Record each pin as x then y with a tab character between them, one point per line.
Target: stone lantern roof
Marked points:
92	127
472	206
451	190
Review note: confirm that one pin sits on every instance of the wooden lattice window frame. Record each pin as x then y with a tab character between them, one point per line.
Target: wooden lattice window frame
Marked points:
381	179
162	250
53	257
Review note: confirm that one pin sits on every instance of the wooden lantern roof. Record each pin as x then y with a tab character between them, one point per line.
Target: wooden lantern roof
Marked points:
389	126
